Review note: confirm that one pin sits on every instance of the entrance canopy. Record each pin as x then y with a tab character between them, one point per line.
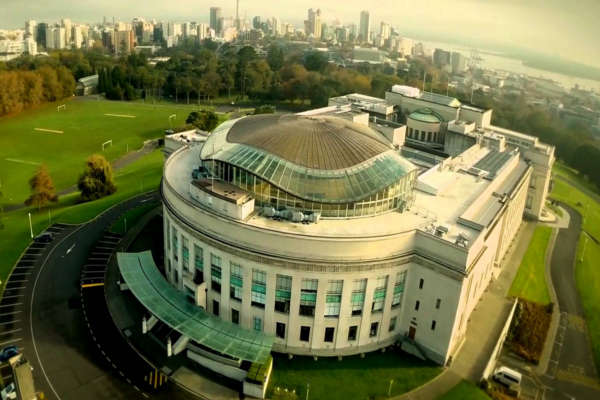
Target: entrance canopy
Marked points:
174	308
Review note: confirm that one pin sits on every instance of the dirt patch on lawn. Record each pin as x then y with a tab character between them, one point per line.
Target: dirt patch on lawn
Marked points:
528	330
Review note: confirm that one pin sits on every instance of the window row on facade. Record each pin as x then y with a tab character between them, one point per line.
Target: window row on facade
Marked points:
424	136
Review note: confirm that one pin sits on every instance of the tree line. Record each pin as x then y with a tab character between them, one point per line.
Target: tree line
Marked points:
22	89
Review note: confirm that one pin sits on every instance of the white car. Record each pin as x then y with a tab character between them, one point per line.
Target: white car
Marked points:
9	392
508	377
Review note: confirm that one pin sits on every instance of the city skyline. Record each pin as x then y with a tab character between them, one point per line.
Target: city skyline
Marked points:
490	24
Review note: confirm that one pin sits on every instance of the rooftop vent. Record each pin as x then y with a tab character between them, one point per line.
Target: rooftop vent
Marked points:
292	215
441	231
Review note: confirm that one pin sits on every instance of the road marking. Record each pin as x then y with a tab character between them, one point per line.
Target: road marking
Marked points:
10	322
70	249
48	130
11	305
10	341
9	332
15	288
13	296
120	115
16	160
89	285
15	281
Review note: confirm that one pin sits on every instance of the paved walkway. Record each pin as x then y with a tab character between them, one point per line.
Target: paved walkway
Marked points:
117	164
485	324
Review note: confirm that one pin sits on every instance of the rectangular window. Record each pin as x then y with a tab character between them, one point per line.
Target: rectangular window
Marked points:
438	304
198	258
258	324
280	330
235	316
433	325
308	297
392	323
421	281
329	334
175	246
168	236
199	265
358	296
333	298
374	328
236	281
283	293
259	288
417	304
216	308
215	273
398	289
185	253
379	294
352	333
305	333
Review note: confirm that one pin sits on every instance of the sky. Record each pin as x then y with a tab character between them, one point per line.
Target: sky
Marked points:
568	29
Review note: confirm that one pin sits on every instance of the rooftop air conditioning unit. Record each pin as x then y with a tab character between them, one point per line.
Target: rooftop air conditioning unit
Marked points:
441	231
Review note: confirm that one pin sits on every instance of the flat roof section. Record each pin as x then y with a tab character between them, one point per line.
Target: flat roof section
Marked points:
223	190
173	308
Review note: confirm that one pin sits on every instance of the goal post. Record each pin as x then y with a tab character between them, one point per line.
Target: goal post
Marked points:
61	107
106	144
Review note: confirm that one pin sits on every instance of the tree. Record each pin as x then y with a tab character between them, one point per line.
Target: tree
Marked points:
275	57
42	189
264	109
204	120
96	181
1	213
315	61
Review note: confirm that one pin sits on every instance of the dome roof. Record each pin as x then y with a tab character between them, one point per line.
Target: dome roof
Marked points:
426	115
321	159
320	142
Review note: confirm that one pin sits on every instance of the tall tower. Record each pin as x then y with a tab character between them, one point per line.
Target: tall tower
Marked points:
237	15
215	16
365	26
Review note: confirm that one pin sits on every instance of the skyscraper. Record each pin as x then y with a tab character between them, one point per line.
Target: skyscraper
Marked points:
365	26
312	26
215	16
237	15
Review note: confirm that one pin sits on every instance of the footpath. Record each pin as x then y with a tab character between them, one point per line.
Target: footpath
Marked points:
484	326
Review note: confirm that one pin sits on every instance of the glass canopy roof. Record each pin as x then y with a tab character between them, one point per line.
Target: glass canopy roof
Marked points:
173	308
325	186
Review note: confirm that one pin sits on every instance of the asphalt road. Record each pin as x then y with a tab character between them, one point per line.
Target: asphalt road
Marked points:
571	371
42	315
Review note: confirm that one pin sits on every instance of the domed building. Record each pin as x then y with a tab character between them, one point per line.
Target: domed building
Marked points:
311	229
425	126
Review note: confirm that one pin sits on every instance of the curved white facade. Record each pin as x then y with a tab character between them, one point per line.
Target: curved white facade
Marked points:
345	286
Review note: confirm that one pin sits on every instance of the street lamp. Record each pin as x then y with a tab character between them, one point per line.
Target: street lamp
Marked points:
170	120
30	227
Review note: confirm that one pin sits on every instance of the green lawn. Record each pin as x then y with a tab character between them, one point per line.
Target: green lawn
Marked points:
530	282
587	273
141	176
465	390
85	128
352	377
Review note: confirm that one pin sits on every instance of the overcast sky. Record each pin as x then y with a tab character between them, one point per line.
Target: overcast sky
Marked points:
570	29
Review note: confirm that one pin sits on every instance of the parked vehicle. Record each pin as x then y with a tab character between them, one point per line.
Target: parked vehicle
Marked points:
508	377
9	392
8	352
45	237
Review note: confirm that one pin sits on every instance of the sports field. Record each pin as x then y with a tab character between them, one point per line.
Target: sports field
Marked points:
63	140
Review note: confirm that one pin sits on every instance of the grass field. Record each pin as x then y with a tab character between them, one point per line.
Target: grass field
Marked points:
85	127
141	176
465	390
530	281
587	273
362	378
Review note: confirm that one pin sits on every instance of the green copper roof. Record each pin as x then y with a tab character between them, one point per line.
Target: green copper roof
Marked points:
174	309
426	115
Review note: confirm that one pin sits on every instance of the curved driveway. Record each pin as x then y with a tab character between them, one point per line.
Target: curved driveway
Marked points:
571	369
48	319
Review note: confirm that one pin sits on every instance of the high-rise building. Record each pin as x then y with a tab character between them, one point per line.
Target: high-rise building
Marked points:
66	23
31	29
123	38
40	36
202	31
76	36
441	58
256	22
365	26
215	16
459	63
238	24
312	26
385	30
